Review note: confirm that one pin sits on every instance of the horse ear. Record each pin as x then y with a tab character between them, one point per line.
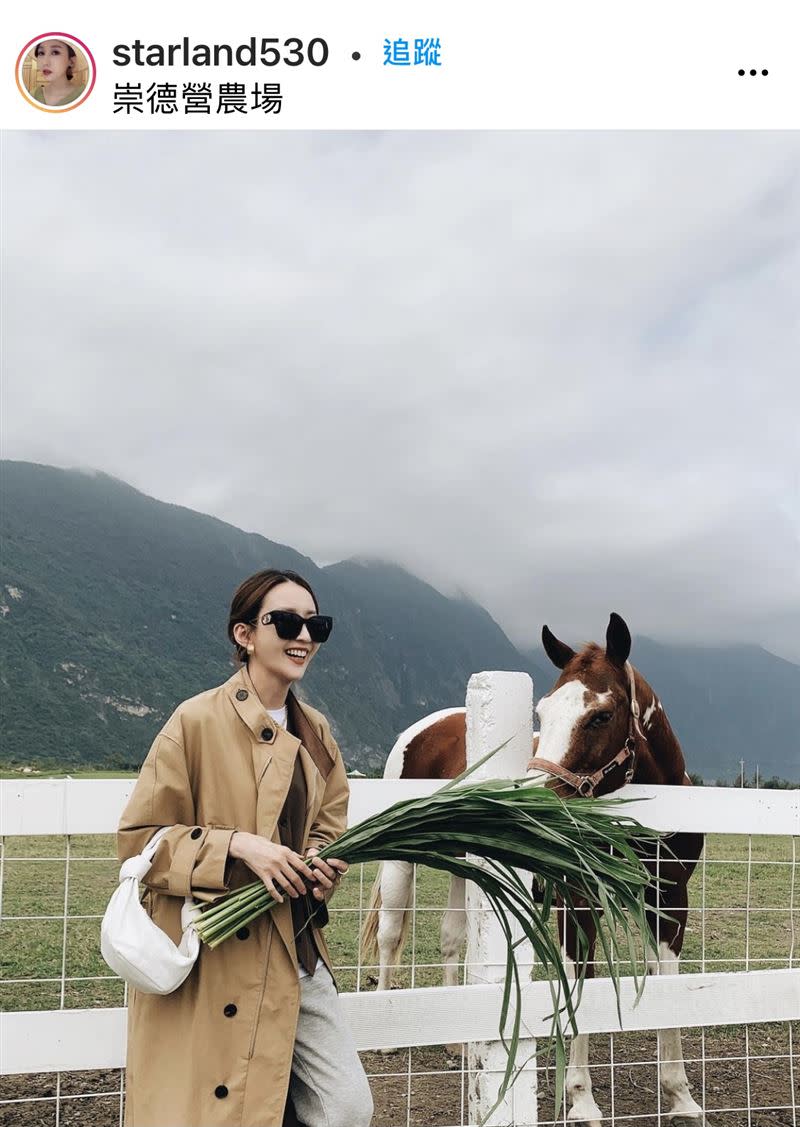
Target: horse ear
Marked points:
618	640
558	652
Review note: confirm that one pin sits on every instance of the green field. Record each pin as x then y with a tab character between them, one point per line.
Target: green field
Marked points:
39	951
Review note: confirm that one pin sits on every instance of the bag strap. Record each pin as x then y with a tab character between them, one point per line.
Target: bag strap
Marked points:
139	866
149	850
190	905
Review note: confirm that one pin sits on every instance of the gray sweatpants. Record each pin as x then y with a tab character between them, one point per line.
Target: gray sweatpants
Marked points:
329	1087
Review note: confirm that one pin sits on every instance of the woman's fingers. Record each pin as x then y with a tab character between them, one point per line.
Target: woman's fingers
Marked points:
304	873
329	871
271	889
323	872
300	864
291	881
299	877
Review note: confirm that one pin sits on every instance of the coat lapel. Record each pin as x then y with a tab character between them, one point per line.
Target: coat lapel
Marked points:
273	766
300	725
273	750
314	757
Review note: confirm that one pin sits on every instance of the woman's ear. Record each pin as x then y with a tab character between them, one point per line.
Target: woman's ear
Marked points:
241	634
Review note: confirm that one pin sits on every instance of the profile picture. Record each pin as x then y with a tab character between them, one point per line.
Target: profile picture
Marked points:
55	72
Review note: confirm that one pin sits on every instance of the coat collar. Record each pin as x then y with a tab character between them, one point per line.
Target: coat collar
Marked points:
246	701
248	705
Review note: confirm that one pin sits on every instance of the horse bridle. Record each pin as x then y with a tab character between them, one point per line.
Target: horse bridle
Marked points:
585	785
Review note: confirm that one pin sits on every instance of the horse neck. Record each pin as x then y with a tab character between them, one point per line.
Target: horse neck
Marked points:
659	758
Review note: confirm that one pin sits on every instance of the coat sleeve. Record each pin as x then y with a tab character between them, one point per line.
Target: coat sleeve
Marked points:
331	820
190	860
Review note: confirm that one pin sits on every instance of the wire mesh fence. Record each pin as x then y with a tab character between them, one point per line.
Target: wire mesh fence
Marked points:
745	916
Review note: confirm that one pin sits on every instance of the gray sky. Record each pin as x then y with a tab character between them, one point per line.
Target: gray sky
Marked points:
557	371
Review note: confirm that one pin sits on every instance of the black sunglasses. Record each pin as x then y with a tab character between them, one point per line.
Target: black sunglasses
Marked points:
288	625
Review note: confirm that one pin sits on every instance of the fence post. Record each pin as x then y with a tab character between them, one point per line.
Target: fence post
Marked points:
499	708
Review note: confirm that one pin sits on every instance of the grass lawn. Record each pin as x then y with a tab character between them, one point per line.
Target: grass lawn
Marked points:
725	937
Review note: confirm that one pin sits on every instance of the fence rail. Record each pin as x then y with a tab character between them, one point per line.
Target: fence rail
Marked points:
65	1040
39	807
76	1040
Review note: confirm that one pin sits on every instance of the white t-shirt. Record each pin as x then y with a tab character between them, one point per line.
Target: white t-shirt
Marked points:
278	715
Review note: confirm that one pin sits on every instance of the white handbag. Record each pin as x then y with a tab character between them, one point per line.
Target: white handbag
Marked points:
135	947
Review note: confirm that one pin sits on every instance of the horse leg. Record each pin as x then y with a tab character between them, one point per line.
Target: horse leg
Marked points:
453	932
396	878
682	1108
454	929
674	1085
582	1110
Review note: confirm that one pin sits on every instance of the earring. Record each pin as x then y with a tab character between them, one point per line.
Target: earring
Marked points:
251	649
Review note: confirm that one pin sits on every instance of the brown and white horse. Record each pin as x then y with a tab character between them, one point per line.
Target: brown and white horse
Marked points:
601	725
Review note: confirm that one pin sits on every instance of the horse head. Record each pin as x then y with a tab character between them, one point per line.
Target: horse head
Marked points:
591	740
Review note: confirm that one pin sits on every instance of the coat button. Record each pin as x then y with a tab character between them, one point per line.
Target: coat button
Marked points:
230	1010
242	694
220	1091
196	833
267	734
243	933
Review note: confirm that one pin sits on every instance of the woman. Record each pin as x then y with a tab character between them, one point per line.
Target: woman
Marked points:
251	782
56	61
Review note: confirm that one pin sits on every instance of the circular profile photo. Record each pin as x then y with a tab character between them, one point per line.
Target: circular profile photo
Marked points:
55	72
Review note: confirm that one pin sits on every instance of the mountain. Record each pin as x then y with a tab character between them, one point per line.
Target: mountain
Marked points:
113	608
418	647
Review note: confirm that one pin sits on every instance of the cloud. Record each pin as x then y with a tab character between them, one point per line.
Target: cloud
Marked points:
557	370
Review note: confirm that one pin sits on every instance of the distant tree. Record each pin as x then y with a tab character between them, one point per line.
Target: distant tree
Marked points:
776	783
697	780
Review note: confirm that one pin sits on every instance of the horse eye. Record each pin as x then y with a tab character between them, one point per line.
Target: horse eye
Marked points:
598	719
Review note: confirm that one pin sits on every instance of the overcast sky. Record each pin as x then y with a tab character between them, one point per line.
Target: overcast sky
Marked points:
557	371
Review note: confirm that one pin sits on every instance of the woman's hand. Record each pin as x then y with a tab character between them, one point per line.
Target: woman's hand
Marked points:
327	873
279	867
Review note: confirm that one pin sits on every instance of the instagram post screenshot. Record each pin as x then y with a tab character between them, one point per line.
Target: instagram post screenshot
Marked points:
400	564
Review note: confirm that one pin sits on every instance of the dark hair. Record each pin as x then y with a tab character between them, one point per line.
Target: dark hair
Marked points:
70	54
248	597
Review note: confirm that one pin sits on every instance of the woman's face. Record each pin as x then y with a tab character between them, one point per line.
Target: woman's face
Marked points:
52	59
286	660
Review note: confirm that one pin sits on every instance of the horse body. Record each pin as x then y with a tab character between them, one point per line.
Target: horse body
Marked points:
433	748
601	725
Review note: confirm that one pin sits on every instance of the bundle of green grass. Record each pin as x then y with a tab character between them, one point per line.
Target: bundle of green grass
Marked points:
580	850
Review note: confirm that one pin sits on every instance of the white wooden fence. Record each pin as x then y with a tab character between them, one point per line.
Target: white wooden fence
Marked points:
499	707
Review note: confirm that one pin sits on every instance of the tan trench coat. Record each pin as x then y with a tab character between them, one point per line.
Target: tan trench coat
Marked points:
220	764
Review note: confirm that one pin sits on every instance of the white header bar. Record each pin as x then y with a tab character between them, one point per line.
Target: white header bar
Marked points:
323	64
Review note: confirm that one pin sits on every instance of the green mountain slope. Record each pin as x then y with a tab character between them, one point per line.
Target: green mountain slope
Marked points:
113	608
